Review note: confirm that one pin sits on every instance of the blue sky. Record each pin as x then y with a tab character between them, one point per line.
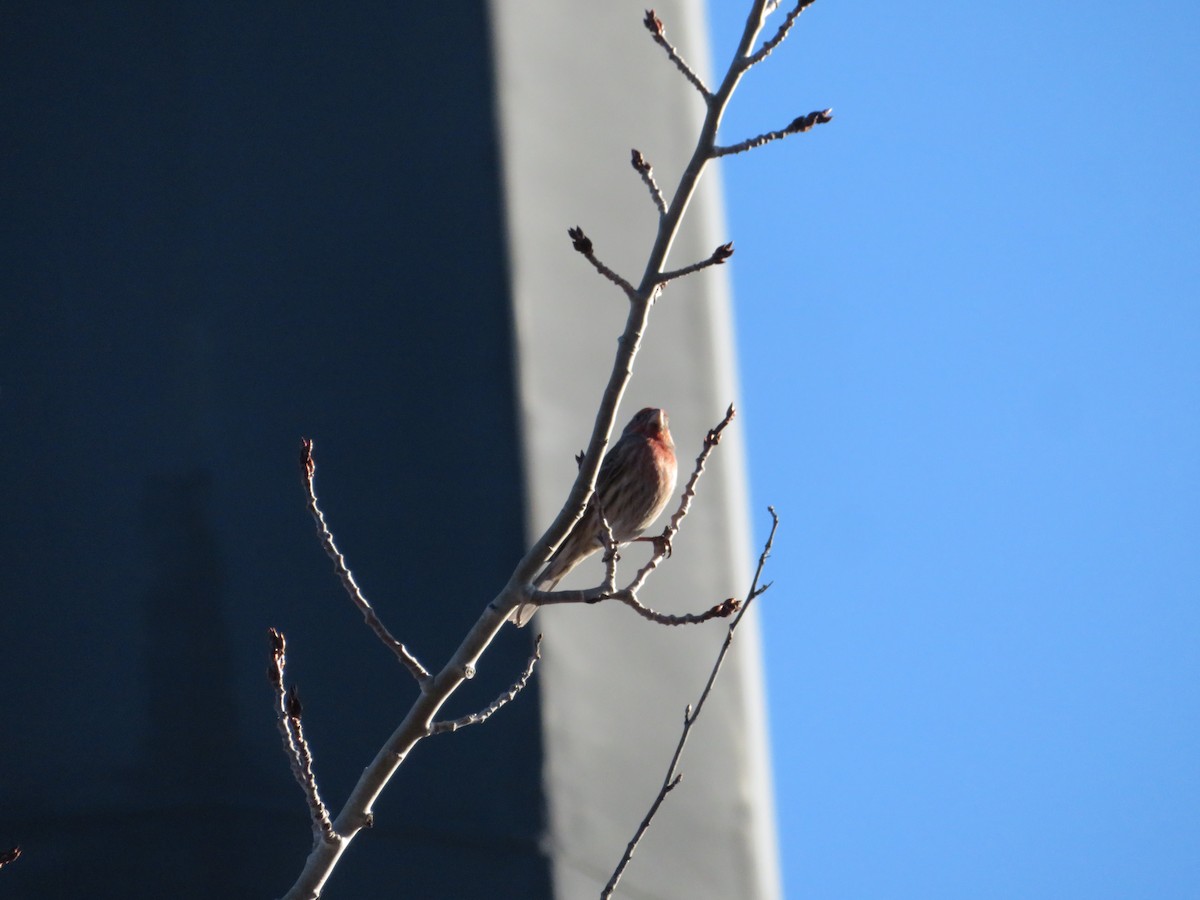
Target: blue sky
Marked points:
970	347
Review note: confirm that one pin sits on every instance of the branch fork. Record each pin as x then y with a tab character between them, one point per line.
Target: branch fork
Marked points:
784	27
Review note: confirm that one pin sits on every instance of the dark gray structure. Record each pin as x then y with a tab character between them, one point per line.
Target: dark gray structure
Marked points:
229	226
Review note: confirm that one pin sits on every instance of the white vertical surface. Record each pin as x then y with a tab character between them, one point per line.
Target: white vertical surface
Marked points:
580	84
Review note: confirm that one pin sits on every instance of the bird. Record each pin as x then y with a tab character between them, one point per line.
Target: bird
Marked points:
635	481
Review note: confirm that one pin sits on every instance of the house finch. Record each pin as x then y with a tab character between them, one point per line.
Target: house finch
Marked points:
635	482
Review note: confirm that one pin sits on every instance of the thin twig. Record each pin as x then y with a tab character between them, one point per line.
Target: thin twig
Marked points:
583	244
784	27
644	169
611	549
672	778
685	502
798	126
288	712
655	26
308	466
721	610
718	258
485	714
317	808
11	855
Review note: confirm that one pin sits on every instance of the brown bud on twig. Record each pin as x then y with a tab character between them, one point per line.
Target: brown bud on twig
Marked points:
807	122
307	463
655	26
653	23
714	434
580	241
294	708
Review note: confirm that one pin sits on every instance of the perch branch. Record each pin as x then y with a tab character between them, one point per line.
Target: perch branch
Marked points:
673	776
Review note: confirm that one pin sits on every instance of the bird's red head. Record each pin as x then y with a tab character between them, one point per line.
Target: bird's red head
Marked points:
652	423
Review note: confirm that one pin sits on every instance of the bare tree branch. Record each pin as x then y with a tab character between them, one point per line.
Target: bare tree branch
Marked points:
655	26
784	27
356	814
288	712
644	169
485	714
583	244
673	776
718	258
308	466
797	126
